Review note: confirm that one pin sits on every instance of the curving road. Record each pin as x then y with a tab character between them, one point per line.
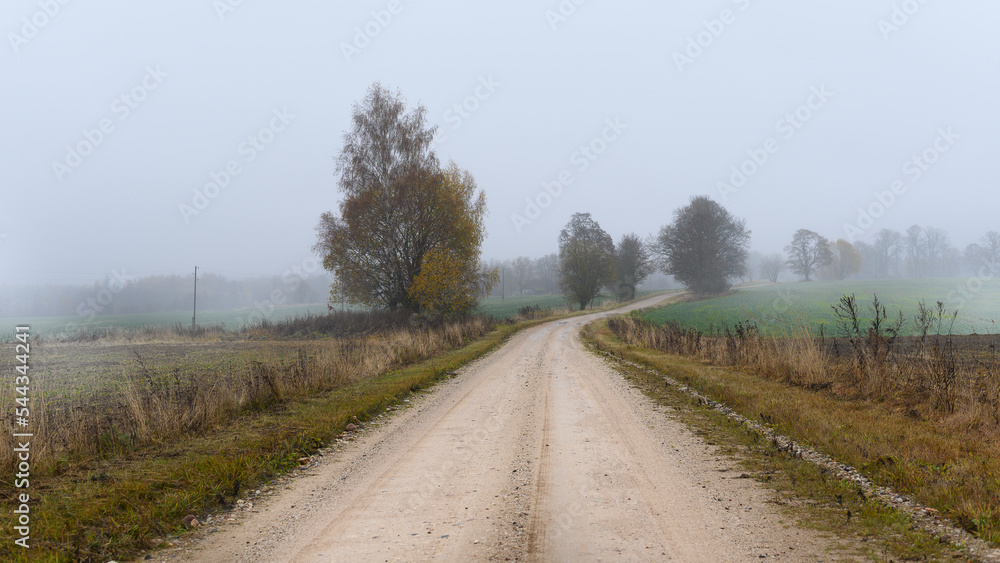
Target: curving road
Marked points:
537	452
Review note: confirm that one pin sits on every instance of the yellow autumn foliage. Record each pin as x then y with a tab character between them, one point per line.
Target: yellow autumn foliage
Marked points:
450	286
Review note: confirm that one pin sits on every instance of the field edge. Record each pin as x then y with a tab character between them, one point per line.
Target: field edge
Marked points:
818	501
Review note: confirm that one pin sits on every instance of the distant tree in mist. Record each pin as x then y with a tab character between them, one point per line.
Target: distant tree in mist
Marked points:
887	253
991	247
929	252
586	259
705	248
521	270
634	265
983	254
124	294
547	270
771	267
845	260
808	252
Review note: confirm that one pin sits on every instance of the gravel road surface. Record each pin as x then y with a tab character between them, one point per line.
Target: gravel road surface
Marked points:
536	452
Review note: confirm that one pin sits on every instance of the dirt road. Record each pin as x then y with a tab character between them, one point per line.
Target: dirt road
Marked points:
538	452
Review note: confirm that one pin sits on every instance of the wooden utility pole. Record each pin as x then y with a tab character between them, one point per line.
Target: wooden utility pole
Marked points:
194	316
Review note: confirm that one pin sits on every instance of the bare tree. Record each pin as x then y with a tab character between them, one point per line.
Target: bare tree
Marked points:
991	247
521	270
916	252
704	248
771	266
887	251
586	259
750	265
987	254
634	265
973	257
929	252
939	253
547	270
808	252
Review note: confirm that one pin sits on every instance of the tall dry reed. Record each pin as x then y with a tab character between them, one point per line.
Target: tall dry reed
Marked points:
952	378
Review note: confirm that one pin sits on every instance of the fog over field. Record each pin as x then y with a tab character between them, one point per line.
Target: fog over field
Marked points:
149	138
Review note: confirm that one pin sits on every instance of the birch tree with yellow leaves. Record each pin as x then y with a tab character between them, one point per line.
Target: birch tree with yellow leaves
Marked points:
404	220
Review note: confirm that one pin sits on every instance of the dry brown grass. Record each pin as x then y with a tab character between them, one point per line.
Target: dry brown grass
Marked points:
942	376
92	509
921	414
136	395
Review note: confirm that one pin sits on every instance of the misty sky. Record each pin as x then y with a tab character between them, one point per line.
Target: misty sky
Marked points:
637	106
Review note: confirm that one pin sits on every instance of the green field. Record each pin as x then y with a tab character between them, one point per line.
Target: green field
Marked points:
787	308
507	307
230	318
500	309
237	318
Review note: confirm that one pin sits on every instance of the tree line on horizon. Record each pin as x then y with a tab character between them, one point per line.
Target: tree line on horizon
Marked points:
409	230
704	249
128	295
919	252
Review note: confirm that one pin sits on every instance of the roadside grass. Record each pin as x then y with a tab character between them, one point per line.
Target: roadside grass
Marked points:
129	496
863	526
952	468
100	509
99	400
808	305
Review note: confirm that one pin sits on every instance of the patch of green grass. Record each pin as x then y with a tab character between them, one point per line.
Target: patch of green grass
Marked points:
230	318
508	307
235	319
788	308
